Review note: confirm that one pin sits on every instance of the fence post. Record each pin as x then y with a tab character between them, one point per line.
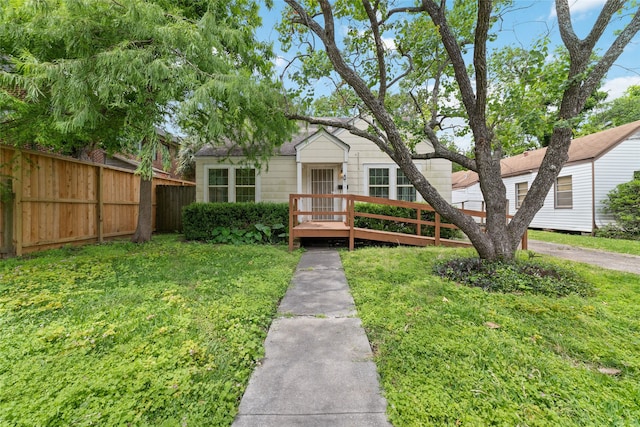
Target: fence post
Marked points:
525	240
7	218
419	223
17	205
437	233
100	213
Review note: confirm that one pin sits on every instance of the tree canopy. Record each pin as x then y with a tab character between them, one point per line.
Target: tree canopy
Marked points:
622	110
108	74
439	54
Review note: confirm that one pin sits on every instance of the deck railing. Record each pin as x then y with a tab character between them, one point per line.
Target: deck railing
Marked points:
300	212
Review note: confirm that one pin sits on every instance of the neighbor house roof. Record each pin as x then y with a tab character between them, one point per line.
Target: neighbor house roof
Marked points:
584	148
286	149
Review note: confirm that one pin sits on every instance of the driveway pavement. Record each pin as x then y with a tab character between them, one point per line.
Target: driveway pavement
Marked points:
610	260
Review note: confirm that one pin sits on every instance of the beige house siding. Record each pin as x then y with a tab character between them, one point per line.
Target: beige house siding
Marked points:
280	180
321	150
275	182
327	151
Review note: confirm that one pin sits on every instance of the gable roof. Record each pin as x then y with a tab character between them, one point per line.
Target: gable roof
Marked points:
286	149
584	148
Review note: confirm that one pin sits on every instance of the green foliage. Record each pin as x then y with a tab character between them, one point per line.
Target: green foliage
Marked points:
106	74
618	112
236	222
400	227
456	355
516	276
624	203
165	333
523	106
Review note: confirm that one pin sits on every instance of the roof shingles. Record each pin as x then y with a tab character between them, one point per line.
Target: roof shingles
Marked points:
581	149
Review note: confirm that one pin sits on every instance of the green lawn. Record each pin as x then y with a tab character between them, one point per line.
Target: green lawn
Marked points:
452	355
612	245
165	333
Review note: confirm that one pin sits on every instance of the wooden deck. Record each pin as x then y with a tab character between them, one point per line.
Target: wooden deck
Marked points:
303	224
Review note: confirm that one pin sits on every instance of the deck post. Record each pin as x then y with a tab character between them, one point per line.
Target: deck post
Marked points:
351	219
437	231
291	227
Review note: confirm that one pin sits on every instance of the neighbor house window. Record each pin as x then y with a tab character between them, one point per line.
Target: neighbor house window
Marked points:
521	192
564	192
379	182
232	185
406	190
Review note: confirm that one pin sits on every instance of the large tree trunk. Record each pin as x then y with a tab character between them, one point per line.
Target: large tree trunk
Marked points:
144	228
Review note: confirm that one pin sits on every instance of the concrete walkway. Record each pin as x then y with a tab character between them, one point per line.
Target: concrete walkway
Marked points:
317	369
610	260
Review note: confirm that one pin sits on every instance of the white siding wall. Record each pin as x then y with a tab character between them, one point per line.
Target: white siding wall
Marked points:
470	196
578	218
614	168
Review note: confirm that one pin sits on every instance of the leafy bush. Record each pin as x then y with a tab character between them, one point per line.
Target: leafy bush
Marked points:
400	227
518	277
624	203
236	222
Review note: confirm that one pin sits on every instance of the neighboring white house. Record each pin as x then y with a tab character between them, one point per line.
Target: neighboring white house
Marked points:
316	161
597	164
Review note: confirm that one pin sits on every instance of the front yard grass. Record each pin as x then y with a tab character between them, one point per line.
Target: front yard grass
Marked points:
601	243
165	333
452	355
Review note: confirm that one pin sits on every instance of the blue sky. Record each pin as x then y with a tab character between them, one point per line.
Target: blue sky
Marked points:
527	20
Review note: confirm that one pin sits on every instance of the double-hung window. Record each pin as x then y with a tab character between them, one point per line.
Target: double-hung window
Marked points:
379	182
521	191
406	190
231	184
389	182
564	192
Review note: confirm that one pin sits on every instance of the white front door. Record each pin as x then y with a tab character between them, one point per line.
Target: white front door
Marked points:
322	182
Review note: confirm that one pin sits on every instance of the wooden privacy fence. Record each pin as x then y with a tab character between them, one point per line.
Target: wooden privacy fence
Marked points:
333	215
170	201
49	201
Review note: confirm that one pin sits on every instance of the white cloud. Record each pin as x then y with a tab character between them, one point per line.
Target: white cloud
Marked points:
389	43
616	87
579	6
280	62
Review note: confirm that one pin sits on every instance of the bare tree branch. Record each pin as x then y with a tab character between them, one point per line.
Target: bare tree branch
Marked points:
375	30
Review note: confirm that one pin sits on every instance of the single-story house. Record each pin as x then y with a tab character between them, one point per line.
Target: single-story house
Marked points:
597	164
318	160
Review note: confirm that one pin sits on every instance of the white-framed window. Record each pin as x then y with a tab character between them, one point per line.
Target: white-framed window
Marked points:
564	192
521	191
379	182
406	190
388	181
231	184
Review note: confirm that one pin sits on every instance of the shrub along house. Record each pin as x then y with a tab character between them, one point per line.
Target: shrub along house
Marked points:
597	164
317	160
